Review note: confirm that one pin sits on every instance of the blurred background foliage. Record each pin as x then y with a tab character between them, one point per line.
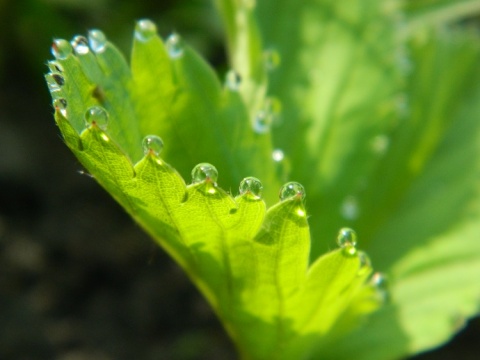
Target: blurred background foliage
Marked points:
79	280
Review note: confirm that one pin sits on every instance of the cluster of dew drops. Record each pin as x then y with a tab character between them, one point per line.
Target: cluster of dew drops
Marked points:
293	191
347	241
251	187
145	30
97	43
97	116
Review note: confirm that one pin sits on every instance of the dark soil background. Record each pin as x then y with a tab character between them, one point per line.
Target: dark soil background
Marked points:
78	279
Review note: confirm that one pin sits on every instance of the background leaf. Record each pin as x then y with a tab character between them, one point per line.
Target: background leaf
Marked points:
374	112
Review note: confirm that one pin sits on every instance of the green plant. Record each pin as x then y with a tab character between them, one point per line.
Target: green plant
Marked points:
373	108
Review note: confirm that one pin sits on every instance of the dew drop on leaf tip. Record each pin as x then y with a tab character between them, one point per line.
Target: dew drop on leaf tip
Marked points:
365	262
379	280
347	240
204	172
252	187
52	83
61	105
292	190
145	30
80	45
152	144
271	59
262	122
61	49
96	116
232	80
97	41
175	46
380	283
58	79
55	67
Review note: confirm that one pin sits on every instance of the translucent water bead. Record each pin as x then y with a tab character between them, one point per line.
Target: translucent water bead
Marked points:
145	30
55	67
232	80
347	240
262	122
204	172
365	262
58	79
174	46
152	144
379	281
61	49
54	82
97	41
267	115
61	105
96	116
292	190
251	187
80	45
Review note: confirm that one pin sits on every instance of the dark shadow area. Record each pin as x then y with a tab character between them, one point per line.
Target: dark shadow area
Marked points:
464	346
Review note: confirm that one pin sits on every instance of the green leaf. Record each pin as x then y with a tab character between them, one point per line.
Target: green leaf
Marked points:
432	234
372	101
379	121
251	264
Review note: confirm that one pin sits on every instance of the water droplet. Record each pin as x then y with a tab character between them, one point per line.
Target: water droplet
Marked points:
232	80
278	155
97	41
267	115
61	105
80	45
251	187
51	83
59	80
55	67
349	208
380	144
365	262
347	240
262	122
292	190
174	46
152	144
96	116
204	172
61	49
272	59
145	30
379	281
